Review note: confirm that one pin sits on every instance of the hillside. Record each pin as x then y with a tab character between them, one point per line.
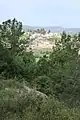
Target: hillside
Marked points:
45	86
41	43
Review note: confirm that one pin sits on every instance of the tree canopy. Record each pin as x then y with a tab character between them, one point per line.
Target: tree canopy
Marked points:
56	76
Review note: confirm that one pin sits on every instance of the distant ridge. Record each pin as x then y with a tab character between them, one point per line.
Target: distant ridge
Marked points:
52	29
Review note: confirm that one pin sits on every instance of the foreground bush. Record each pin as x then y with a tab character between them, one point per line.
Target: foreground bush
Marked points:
16	103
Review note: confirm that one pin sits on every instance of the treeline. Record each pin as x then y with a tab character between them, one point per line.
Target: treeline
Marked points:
56	75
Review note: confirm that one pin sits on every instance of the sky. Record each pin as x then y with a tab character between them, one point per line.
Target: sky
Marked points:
63	13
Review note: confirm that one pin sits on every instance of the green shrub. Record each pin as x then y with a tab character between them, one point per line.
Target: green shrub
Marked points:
43	84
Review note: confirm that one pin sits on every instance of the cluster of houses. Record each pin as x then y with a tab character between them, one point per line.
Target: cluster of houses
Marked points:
38	40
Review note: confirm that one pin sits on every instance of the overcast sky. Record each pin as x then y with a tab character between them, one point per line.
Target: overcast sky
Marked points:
64	13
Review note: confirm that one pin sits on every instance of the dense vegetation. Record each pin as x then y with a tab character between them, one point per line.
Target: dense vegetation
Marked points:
47	89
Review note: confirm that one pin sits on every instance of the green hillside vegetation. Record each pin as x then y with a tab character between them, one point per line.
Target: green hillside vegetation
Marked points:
43	89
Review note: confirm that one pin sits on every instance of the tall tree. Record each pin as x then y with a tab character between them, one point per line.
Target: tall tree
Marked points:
10	32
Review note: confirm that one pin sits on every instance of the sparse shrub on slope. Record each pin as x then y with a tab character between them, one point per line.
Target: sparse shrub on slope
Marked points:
18	102
43	84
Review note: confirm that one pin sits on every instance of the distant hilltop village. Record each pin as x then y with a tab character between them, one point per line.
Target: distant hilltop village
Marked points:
41	39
